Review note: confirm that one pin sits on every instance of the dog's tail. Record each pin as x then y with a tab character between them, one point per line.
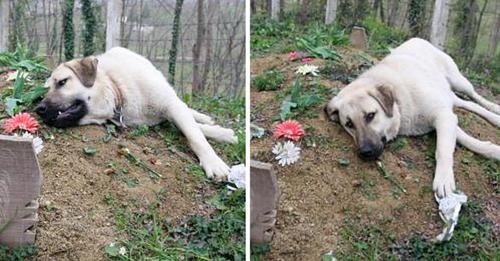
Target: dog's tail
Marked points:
475	108
485	148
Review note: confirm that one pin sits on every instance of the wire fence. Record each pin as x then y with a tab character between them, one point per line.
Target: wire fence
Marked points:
146	28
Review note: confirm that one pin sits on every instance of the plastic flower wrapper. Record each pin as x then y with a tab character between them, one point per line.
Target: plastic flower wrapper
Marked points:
237	176
449	208
307	69
22	122
286	153
37	141
290	129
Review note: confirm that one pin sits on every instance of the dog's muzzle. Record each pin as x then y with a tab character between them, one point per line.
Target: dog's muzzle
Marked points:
59	117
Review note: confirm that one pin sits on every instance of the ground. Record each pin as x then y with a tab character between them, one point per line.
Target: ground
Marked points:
140	189
331	200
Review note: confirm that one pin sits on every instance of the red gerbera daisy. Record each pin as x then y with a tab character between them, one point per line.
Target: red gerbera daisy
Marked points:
293	55
22	121
290	129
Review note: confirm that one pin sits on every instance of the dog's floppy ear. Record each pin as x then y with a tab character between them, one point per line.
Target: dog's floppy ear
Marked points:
383	95
331	110
85	69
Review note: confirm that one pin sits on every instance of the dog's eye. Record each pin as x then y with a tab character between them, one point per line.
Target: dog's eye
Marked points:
369	117
61	83
349	124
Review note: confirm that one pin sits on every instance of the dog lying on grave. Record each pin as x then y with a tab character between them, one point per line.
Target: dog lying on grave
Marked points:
411	92
124	87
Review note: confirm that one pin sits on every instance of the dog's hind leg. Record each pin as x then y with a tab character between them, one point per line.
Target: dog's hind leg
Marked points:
218	133
201	118
473	107
460	84
485	148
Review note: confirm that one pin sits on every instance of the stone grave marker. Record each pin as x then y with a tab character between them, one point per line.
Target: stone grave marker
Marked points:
20	183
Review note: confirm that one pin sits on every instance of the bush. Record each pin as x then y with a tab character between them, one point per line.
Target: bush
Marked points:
381	36
270	80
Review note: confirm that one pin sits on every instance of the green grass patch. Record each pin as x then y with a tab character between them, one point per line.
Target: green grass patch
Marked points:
18	253
270	80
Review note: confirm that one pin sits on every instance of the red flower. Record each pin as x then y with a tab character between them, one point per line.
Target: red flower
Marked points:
22	121
293	56
306	60
290	129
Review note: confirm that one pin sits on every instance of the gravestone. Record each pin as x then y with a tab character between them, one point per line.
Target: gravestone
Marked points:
264	195
358	38
20	182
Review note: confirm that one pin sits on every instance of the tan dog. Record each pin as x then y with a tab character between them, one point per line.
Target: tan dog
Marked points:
410	92
126	88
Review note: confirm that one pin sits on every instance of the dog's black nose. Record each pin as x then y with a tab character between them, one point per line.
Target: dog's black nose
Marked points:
41	109
369	152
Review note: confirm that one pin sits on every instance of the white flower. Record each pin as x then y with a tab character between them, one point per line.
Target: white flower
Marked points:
37	141
122	251
237	175
112	244
287	153
307	68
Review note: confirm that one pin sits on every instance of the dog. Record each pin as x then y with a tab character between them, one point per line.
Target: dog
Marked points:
125	88
411	92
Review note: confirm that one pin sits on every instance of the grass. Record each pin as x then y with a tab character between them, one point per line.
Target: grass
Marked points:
18	253
474	239
270	80
151	235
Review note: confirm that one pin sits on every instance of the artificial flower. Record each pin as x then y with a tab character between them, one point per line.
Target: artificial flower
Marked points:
37	142
293	56
122	251
286	153
290	129
237	175
22	121
306	59
307	69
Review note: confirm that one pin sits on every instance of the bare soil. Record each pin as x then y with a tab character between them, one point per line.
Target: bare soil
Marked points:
320	196
75	221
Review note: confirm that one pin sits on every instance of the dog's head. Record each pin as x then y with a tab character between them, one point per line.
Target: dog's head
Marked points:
368	112
70	89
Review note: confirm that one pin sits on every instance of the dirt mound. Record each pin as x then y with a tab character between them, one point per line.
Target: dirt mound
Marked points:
75	218
330	198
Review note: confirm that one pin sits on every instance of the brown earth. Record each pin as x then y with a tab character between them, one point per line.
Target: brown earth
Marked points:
320	196
75	221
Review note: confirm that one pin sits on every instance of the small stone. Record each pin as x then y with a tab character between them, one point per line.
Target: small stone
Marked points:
109	171
356	183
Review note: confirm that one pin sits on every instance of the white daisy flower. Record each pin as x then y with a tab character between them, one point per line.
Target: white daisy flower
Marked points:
286	153
37	141
122	251
237	175
307	68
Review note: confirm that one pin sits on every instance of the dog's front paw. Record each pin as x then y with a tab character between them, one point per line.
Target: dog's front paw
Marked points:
444	185
215	168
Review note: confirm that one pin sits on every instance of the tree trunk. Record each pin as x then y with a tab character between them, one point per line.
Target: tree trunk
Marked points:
416	16
89	29
439	21
393	12
69	31
208	39
253	6
304	12
495	32
200	28
175	39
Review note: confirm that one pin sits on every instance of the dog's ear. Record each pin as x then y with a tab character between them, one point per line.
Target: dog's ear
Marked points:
384	96
85	69
331	110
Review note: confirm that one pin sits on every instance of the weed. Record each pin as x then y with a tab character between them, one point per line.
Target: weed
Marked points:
270	80
298	100
140	130
89	151
398	144
18	253
382	36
